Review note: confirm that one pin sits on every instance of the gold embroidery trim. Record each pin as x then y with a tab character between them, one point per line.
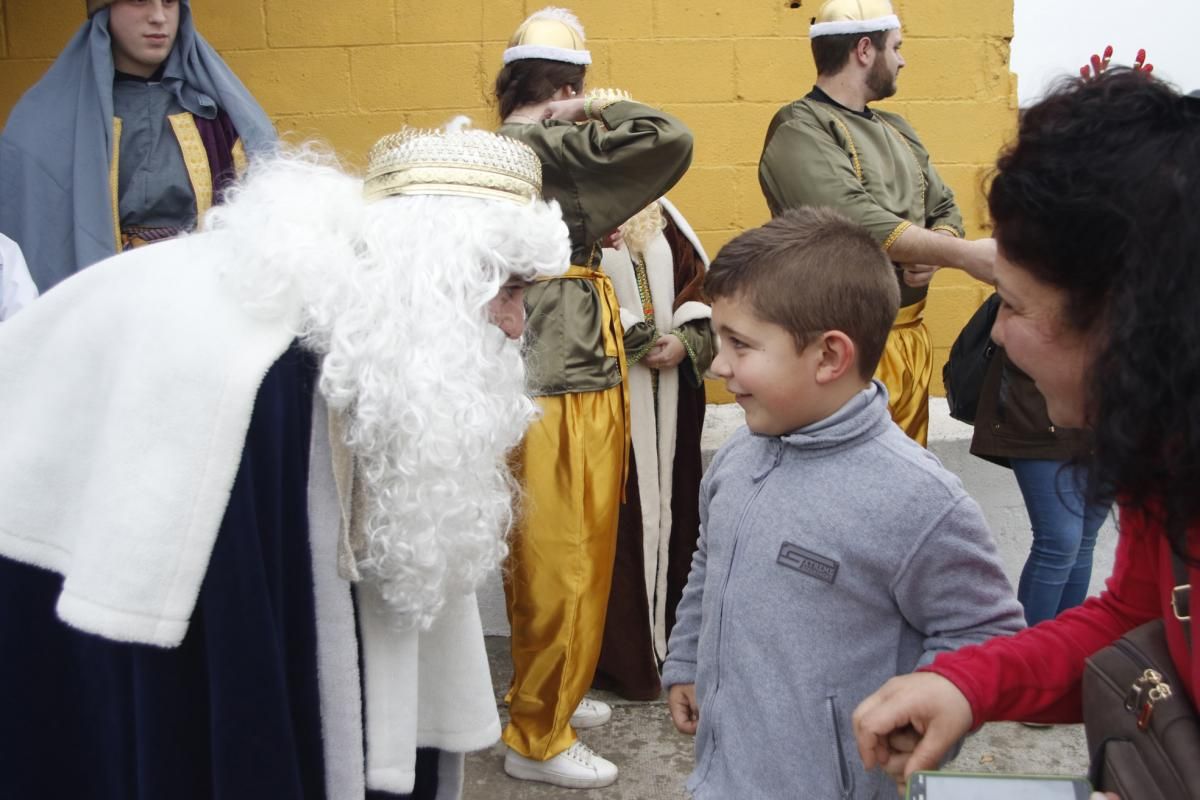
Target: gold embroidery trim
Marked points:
195	159
947	229
238	151
678	334
849	143
114	181
894	235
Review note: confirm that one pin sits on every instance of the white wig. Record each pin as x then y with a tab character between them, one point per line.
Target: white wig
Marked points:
394	296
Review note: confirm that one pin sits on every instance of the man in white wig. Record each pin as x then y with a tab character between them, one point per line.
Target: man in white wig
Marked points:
831	149
253	476
657	271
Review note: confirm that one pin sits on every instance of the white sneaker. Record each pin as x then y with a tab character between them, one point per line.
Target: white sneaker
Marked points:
577	767
590	714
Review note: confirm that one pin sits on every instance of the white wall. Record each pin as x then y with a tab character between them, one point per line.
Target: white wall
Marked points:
1056	37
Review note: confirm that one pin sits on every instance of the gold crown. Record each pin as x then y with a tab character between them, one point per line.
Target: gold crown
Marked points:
459	161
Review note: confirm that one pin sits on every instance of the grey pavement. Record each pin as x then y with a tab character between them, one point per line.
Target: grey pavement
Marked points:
655	760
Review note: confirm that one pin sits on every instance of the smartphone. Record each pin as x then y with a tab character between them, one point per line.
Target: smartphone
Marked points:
993	786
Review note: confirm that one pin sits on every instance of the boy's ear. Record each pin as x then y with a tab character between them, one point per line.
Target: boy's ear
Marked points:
838	356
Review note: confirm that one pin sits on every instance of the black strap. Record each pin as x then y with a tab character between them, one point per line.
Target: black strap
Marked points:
1181	597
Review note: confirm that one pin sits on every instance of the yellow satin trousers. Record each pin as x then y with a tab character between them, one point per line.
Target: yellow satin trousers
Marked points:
906	369
559	571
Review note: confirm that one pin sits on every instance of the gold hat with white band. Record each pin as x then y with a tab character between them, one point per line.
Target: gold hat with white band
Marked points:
554	34
459	161
839	17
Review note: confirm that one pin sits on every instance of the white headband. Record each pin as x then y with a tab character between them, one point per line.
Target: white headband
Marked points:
566	55
844	26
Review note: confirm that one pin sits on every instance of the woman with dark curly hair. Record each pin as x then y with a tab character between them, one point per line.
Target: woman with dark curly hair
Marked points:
1098	275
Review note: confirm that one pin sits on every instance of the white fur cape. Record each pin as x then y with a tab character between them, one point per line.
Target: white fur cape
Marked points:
653	430
126	396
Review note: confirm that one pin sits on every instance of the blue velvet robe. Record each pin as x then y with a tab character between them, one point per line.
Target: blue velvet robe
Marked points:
234	711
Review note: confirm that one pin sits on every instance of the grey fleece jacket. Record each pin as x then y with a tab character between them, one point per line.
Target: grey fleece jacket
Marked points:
830	560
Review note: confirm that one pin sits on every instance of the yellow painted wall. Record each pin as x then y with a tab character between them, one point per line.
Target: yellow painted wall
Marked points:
351	70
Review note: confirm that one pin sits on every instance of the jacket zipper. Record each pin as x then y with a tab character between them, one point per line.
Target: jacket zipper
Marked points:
737	532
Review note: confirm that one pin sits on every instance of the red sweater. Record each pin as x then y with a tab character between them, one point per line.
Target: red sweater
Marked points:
1036	675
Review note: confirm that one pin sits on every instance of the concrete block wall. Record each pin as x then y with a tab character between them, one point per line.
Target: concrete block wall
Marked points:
351	71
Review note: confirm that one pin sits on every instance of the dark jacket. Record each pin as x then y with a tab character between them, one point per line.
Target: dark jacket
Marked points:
1012	421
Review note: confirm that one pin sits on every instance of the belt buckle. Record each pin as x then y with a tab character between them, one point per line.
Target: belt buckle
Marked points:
1181	599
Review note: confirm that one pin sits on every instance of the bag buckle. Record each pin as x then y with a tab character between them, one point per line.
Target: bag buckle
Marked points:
1181	602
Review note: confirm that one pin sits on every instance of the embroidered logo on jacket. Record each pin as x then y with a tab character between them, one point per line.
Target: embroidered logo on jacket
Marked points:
806	561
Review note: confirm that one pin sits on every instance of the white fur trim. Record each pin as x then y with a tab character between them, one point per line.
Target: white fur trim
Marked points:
690	311
629	318
423	689
131	537
526	51
337	638
844	26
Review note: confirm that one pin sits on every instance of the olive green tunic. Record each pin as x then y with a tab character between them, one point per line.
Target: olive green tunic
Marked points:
868	165
600	175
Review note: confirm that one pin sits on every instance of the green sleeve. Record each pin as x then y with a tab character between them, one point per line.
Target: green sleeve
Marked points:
639	338
619	167
941	210
698	340
805	164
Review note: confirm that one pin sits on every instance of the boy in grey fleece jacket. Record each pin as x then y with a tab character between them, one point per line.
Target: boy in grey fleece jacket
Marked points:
834	551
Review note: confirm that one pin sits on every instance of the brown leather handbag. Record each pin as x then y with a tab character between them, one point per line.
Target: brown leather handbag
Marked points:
1143	732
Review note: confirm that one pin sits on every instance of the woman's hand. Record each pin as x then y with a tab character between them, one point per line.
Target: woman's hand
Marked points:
569	110
938	713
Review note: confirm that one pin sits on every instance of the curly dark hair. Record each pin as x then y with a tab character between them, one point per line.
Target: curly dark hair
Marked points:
532	80
1096	198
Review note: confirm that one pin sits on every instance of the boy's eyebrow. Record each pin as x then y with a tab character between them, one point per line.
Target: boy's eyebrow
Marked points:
724	330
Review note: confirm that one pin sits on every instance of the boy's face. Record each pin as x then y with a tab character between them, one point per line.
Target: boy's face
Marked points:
143	33
775	384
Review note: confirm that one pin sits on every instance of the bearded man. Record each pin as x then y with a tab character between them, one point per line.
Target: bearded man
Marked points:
831	149
258	473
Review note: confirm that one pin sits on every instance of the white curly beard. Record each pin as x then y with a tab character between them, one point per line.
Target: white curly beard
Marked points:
394	297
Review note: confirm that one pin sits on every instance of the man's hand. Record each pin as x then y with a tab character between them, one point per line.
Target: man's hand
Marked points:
665	353
938	713
979	260
976	257
918	275
681	700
